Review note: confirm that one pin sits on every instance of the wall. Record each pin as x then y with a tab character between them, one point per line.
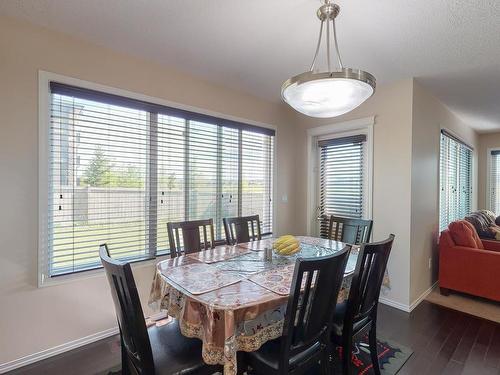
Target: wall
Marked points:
486	141
35	319
392	107
428	117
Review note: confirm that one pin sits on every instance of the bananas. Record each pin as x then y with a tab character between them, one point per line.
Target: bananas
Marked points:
286	245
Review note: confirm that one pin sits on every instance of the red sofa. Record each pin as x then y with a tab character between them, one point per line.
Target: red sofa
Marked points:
468	269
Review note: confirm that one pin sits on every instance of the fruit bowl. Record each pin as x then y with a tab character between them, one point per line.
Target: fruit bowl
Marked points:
286	245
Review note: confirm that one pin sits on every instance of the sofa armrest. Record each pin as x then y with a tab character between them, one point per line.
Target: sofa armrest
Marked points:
491	245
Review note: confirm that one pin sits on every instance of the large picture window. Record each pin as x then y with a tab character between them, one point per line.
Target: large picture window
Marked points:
120	169
455	198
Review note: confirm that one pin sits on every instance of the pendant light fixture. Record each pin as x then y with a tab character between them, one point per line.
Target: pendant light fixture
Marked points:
331	93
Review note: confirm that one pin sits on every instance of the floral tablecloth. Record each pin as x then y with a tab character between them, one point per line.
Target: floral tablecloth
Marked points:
239	316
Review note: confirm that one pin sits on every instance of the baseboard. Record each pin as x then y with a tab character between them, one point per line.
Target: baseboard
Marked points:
422	296
44	354
396	305
404	307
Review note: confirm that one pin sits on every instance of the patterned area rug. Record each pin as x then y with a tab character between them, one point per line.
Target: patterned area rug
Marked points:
392	356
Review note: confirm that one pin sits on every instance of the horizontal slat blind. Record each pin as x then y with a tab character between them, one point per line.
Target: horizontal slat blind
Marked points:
119	172
171	172
342	172
495	181
256	184
98	180
455	200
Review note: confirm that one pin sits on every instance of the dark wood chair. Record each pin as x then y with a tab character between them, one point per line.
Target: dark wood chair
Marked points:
358	315
349	230
154	350
191	237
242	229
308	320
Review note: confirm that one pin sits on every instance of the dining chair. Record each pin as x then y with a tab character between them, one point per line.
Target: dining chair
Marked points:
349	230
242	229
191	237
359	314
308	319
154	350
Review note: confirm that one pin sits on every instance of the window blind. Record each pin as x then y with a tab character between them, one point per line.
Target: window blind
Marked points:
342	176
495	181
256	172
455	199
120	169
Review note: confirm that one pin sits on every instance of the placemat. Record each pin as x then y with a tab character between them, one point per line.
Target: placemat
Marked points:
258	245
200	278
219	253
246	264
277	280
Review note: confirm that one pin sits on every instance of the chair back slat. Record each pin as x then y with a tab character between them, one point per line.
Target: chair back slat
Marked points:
367	279
242	229
134	334
313	297
348	230
192	240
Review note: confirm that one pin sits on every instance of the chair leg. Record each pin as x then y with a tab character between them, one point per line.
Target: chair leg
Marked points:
372	338
326	364
346	355
125	365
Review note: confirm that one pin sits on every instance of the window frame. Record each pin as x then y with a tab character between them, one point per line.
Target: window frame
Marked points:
337	130
44	99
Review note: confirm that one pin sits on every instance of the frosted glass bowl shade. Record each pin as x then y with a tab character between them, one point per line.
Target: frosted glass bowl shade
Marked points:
328	94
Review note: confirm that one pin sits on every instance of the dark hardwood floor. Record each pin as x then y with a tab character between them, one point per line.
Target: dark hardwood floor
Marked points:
444	342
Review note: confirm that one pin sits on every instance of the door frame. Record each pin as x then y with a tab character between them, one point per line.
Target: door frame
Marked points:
358	126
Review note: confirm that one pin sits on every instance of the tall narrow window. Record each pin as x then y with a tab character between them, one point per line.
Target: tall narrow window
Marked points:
455	198
256	178
120	169
342	178
495	181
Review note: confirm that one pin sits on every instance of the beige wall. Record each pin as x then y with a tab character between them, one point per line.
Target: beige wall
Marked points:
35	319
428	117
486	141
391	175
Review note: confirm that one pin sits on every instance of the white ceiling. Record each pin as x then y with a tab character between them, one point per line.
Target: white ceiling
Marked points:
451	46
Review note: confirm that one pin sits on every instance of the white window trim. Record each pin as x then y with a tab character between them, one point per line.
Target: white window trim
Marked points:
488	178
44	79
358	126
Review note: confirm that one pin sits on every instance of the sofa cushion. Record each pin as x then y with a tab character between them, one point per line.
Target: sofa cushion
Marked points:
464	234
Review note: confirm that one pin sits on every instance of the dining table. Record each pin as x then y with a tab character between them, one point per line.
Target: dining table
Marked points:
233	297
